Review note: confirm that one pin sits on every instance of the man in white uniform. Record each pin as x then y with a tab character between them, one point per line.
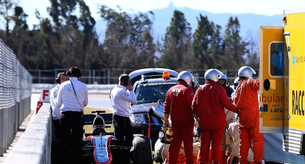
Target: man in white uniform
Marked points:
61	77
71	100
122	96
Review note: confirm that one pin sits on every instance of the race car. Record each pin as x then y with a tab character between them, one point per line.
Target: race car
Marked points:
100	146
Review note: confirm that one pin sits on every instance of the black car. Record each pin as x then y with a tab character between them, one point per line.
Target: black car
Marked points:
150	93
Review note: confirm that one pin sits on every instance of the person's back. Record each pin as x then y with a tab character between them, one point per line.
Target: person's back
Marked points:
72	98
246	99
177	96
121	100
246	94
121	97
178	102
211	99
73	91
208	108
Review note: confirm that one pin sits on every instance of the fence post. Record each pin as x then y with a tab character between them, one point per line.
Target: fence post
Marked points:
89	76
93	76
39	75
108	77
104	76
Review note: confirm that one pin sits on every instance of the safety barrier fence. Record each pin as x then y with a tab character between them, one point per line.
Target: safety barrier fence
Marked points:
15	95
34	146
110	75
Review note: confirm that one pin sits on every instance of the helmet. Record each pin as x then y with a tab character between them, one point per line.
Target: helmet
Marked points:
246	71
193	80
236	81
212	74
185	76
222	77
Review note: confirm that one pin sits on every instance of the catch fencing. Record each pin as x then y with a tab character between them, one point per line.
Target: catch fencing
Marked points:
15	95
110	75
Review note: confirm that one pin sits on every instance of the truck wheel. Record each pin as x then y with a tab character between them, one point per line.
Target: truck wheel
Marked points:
141	152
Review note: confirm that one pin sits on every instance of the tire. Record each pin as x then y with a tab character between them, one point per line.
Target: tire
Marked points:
141	151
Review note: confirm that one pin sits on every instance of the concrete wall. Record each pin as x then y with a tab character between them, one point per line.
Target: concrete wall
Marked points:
10	120
34	146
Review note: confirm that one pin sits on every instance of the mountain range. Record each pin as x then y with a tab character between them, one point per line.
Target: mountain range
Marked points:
249	23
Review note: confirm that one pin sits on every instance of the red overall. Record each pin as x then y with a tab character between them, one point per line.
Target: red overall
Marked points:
208	104
178	105
246	100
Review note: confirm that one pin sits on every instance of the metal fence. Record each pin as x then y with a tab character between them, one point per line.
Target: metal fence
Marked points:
15	95
102	76
110	76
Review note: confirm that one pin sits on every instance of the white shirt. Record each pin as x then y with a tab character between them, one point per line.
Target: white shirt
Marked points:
121	99
53	98
67	100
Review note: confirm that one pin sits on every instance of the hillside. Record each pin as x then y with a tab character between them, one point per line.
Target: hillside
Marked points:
248	22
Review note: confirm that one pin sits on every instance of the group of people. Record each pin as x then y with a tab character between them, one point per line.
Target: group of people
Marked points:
68	99
208	106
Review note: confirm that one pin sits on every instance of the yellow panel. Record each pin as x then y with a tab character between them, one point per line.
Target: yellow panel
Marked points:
295	26
271	79
272	84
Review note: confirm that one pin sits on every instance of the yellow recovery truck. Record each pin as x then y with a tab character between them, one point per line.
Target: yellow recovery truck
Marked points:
282	89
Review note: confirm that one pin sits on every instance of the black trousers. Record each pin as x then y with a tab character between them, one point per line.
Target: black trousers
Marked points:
57	127
122	129
72	136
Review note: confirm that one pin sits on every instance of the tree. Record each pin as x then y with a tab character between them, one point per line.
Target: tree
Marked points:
252	58
73	40
234	47
19	34
5	9
177	43
217	48
128	42
142	41
116	38
20	18
205	43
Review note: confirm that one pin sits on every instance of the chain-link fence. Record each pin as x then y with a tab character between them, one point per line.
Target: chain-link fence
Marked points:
15	95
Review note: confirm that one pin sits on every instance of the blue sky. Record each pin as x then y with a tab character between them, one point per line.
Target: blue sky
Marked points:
263	7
